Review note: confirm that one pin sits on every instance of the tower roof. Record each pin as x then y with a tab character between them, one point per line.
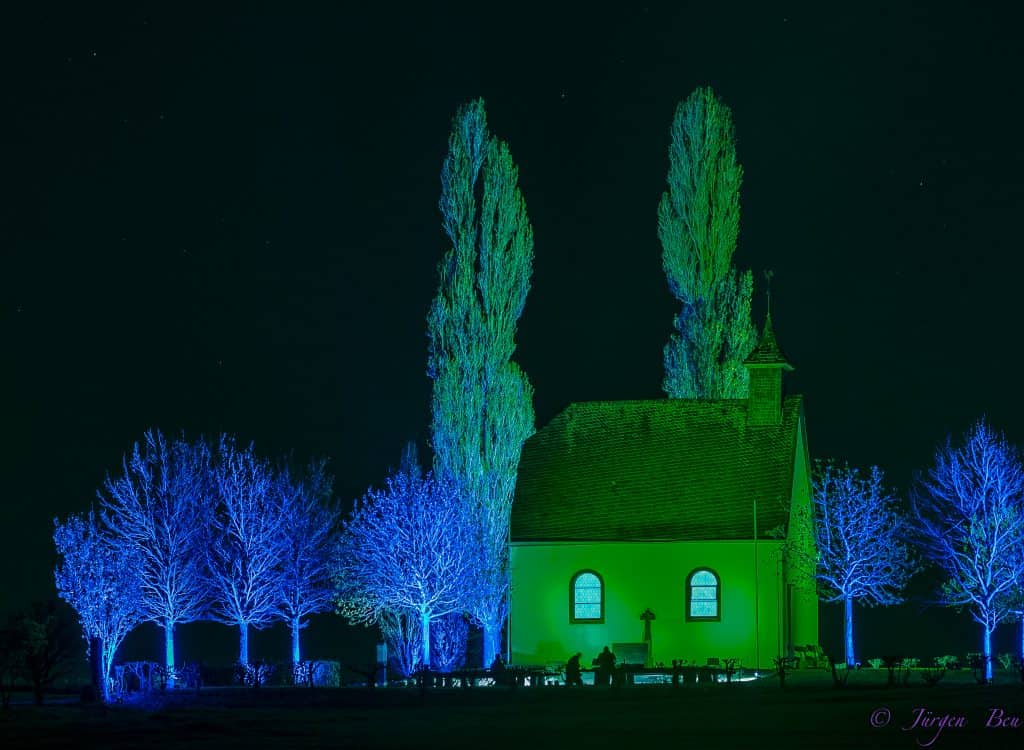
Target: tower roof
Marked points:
767	352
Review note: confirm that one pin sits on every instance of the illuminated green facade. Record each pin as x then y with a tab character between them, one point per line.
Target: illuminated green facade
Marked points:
683	507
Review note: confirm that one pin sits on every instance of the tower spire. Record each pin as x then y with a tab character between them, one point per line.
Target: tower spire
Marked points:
765	365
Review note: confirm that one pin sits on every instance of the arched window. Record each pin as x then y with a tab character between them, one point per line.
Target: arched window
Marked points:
586	597
703	595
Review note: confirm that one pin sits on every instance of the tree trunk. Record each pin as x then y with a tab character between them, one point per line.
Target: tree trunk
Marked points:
96	668
850	659
425	623
106	662
492	643
987	652
296	653
243	643
169	651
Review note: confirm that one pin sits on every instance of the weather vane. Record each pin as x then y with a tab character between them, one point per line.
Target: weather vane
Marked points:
768	273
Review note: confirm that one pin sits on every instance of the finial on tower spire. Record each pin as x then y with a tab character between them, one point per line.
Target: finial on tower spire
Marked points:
767	352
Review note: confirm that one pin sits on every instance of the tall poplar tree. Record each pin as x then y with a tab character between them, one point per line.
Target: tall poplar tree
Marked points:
482	405
698	225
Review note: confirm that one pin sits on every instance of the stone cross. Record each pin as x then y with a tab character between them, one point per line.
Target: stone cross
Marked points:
647	616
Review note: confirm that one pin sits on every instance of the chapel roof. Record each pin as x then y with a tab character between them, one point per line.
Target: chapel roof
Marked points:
670	469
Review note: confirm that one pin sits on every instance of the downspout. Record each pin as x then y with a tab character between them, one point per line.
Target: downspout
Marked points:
757	594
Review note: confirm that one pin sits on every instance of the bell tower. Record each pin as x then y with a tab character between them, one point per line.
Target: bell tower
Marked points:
765	365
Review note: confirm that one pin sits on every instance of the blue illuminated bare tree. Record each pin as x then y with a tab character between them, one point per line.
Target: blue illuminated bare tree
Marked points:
245	547
482	408
860	539
401	629
99	576
406	549
309	528
970	513
159	505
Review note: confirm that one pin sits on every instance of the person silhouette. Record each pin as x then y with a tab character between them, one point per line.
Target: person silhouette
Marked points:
572	670
605	666
498	671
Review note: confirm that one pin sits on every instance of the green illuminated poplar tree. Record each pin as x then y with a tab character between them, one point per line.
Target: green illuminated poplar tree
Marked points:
698	225
482	404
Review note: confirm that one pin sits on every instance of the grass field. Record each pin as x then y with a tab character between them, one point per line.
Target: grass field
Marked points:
808	713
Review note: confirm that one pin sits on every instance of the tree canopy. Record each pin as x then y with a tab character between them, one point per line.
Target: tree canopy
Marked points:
698	226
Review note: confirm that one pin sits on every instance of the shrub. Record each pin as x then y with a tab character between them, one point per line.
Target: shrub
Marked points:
782	665
947	662
302	674
316	674
327	674
138	677
977	663
899	672
280	675
1007	661
840	672
217	675
188	676
254	674
875	663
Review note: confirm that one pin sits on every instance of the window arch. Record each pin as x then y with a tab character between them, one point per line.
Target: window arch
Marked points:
586	597
703	595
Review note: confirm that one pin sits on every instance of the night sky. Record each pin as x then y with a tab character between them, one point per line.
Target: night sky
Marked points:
226	220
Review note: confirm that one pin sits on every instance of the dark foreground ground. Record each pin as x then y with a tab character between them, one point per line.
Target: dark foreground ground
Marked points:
808	713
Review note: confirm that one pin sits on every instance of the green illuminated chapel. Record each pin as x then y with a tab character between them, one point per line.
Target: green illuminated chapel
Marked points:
679	508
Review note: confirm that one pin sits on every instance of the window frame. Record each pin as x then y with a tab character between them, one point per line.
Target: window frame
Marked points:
573	620
717	617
